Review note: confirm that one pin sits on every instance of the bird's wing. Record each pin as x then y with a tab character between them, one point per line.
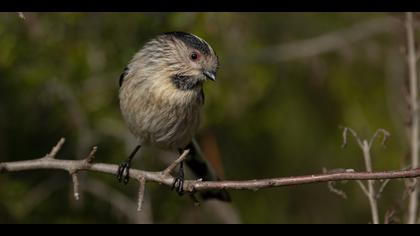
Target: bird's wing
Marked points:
123	75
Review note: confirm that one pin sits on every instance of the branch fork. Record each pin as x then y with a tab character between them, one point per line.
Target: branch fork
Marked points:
370	191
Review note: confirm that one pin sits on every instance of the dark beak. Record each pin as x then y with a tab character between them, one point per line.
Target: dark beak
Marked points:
210	75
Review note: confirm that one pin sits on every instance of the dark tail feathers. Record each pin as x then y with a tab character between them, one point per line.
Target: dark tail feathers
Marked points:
202	169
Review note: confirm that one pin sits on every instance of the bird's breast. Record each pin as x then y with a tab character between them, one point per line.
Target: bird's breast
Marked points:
161	116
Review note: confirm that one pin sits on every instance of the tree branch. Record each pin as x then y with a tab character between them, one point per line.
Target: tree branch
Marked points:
161	177
196	185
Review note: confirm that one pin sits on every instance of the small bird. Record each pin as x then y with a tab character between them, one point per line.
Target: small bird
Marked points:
161	96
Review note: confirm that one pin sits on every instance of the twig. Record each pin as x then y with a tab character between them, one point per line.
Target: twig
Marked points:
363	187
91	156
366	146
171	167
333	189
56	149
331	185
345	137
412	64
346	130
390	217
142	186
76	185
382	188
409	188
371	188
378	132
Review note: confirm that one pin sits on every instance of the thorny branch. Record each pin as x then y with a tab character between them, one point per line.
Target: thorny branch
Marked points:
191	186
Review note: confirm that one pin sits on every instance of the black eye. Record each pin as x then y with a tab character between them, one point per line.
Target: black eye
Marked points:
194	56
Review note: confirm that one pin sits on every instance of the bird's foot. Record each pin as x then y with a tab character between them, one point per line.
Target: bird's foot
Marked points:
123	173
178	184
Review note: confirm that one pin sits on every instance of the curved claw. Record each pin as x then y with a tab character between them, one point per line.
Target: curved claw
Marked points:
179	180
123	173
178	185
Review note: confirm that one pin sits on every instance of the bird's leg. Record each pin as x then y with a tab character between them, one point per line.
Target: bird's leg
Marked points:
179	180
123	173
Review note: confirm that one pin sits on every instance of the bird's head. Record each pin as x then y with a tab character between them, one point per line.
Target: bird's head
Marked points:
186	59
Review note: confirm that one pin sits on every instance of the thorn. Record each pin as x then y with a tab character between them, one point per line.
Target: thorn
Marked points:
75	185
142	187
56	149
91	156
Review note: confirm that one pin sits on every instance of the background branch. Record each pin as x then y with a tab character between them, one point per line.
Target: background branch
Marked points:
366	147
119	202
330	41
414	124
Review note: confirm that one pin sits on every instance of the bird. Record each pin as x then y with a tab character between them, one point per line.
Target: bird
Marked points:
161	98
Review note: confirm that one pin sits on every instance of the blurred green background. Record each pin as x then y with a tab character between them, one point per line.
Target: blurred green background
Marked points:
286	83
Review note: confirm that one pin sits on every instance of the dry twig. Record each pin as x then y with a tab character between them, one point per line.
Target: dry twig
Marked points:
366	146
